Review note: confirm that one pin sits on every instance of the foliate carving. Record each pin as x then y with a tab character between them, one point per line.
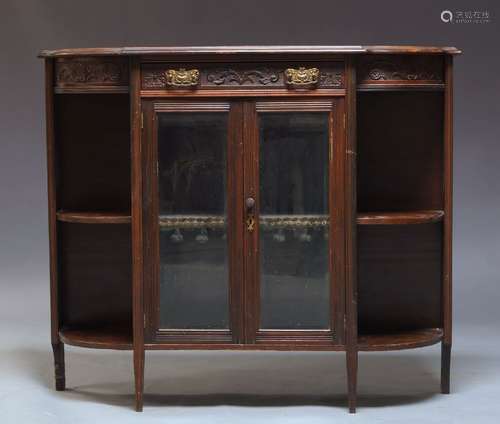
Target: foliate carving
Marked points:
333	79
91	71
153	77
400	68
253	77
388	71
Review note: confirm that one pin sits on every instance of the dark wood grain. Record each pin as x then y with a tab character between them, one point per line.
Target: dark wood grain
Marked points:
400	151
243	92
447	228
399	71
92	134
217	76
399	218
57	345
400	340
351	254
224	50
59	365
95	275
119	338
91	74
399	277
390	198
94	217
137	236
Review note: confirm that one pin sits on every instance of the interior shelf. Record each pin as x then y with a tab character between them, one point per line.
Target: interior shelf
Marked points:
401	87
400	218
401	340
94	217
119	338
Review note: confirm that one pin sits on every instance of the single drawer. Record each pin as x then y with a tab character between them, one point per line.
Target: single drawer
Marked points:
200	76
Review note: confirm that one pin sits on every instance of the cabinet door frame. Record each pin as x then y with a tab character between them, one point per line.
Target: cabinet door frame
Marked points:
153	332
336	167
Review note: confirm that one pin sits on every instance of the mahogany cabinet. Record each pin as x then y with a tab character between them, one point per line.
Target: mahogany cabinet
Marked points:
256	198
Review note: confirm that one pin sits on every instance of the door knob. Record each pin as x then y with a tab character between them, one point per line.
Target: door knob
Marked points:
250	203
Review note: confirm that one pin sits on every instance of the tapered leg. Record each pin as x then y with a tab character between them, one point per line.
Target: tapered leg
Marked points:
60	374
445	368
352	376
139	378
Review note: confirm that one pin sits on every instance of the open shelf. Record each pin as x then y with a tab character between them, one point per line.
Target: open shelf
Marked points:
400	218
92	151
119	338
94	217
400	340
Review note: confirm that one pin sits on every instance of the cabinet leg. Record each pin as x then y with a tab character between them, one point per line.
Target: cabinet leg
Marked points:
445	367
139	378
59	367
352	376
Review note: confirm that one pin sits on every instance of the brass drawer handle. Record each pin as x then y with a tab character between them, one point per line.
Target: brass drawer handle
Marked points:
182	77
302	76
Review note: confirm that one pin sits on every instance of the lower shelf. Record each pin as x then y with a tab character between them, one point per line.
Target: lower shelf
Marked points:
121	339
401	340
98	338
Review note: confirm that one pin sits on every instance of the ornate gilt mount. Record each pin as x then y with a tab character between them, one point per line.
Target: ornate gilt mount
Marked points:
182	77
302	76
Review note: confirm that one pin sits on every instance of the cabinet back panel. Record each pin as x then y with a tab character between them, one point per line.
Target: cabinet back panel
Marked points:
95	275
400	151
399	277
92	136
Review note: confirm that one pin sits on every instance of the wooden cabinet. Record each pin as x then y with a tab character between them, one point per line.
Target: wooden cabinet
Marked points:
274	198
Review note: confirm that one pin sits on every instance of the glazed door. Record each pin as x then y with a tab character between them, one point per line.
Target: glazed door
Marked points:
294	230
193	154
244	221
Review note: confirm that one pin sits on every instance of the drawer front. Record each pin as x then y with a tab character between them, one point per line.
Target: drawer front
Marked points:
200	76
90	73
416	70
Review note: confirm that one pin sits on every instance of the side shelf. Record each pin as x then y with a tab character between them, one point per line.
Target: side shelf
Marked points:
94	217
400	340
399	218
119	338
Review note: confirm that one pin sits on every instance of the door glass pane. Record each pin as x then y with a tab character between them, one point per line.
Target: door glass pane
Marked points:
294	220
192	204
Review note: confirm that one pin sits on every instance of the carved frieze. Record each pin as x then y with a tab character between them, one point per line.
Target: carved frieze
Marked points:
384	69
91	71
331	75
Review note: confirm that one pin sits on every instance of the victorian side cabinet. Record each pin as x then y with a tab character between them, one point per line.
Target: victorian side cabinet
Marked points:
251	198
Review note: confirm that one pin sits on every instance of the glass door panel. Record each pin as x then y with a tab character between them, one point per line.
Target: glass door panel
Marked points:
192	205
294	220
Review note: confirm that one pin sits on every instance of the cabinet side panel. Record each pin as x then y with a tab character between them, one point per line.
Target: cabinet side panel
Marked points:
51	194
448	201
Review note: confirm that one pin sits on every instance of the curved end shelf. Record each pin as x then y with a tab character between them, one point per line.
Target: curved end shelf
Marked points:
94	217
98	338
399	341
400	218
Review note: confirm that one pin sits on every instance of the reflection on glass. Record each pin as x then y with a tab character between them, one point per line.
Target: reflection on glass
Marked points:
192	203
293	224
